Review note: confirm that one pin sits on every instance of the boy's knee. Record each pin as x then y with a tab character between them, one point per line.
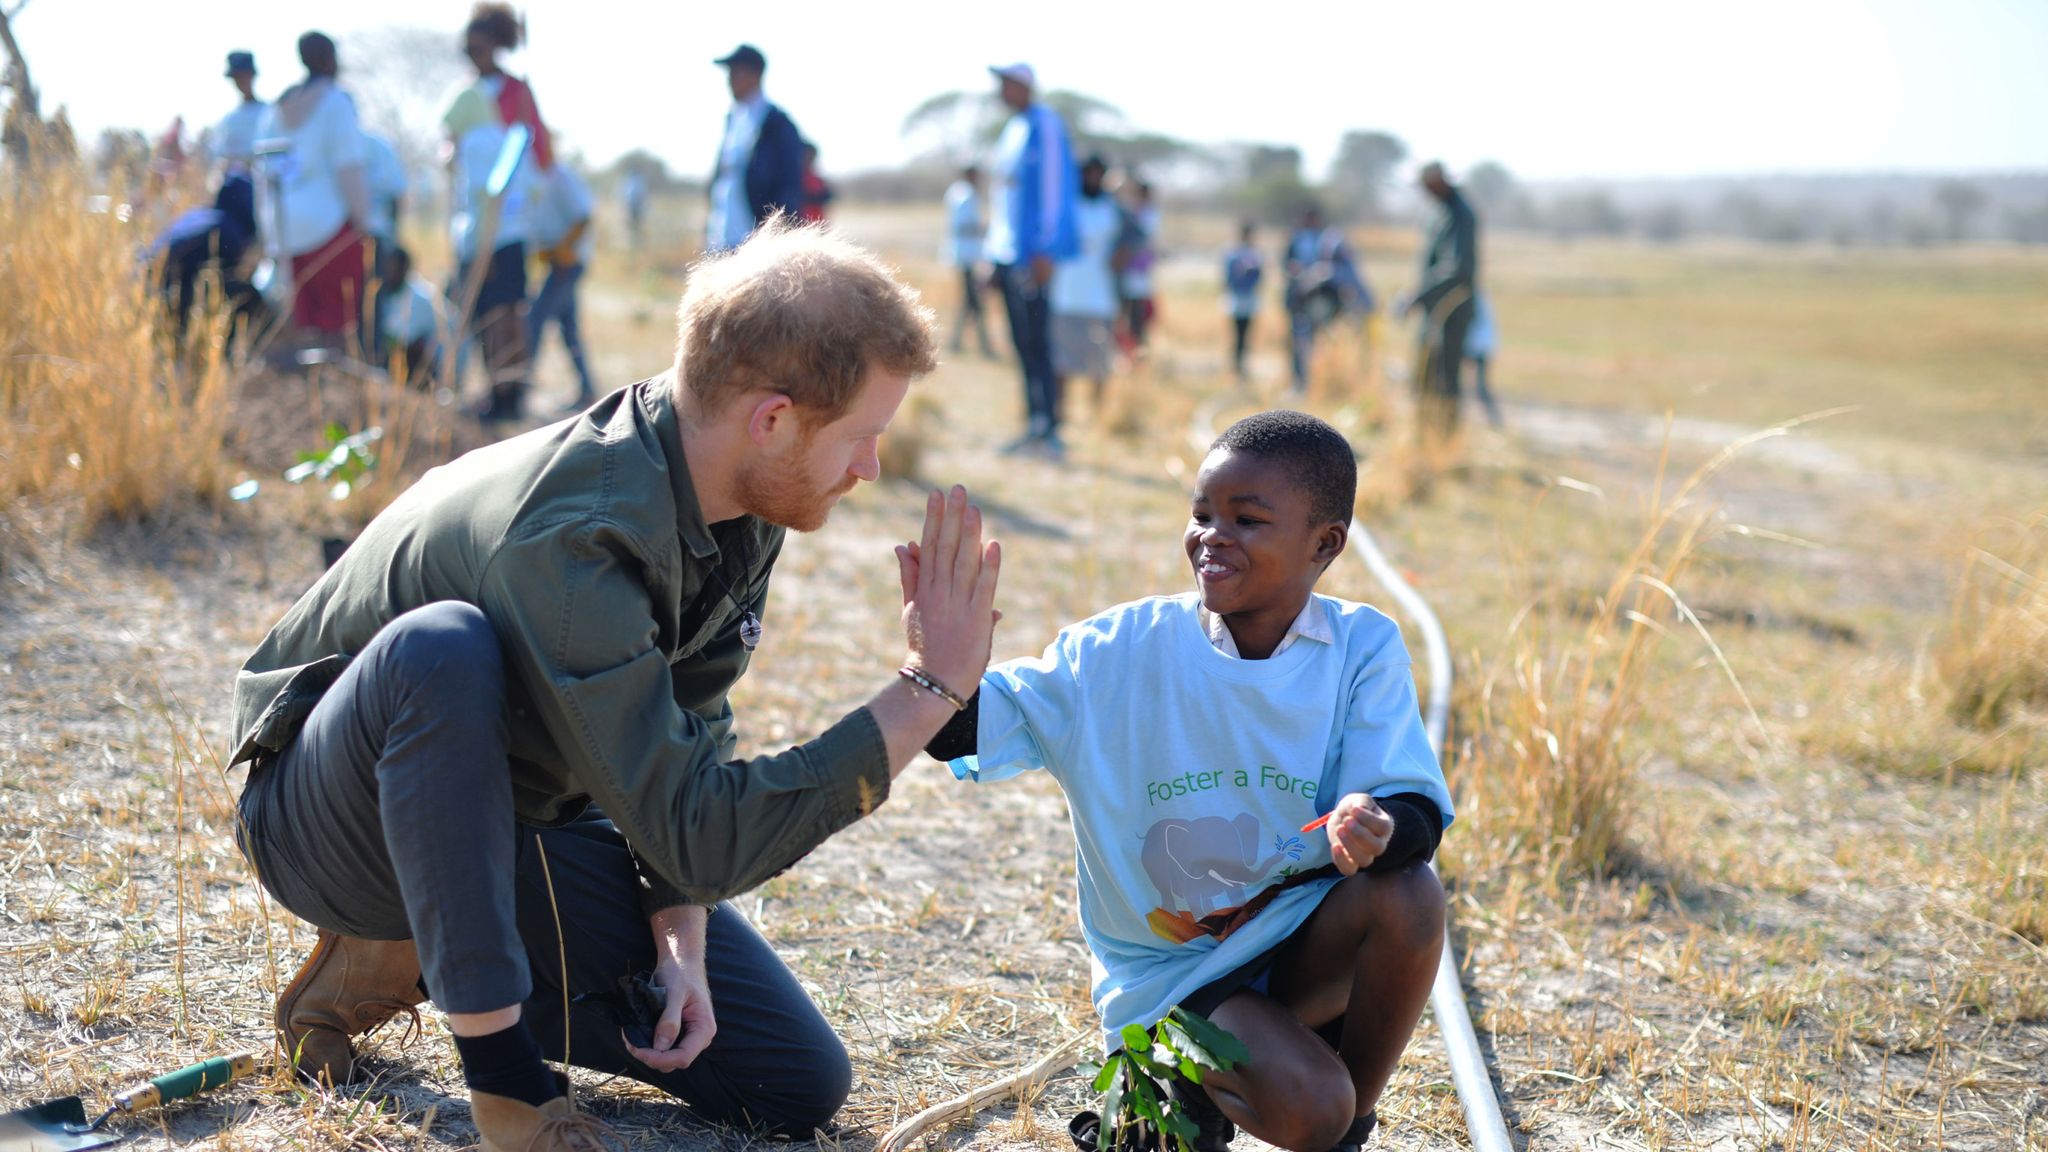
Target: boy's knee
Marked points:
1319	1107
1409	902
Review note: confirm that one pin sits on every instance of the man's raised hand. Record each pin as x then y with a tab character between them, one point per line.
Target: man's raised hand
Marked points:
949	591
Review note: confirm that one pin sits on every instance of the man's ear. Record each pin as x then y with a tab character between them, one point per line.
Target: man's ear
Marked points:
1330	541
772	421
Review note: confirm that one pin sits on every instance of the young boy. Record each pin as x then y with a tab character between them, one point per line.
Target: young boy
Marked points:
1195	736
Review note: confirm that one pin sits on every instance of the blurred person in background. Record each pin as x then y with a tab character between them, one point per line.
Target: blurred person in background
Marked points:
1446	296
760	168
633	192
1481	340
1323	283
1138	252
562	229
1030	229
817	190
1243	268
387	183
408	319
490	237
965	224
1083	294
232	146
321	211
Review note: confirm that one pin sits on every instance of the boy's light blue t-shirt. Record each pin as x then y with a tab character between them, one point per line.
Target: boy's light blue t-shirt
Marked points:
1189	774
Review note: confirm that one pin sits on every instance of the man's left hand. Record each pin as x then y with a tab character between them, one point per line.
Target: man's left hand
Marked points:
687	1024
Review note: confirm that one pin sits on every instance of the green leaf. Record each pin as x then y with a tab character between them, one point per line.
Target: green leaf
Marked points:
1107	1071
1135	1038
334	432
1225	1050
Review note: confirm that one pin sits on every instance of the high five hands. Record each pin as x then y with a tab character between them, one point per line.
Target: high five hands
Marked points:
949	591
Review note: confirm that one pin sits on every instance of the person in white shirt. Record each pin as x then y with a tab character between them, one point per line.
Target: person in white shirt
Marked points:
1253	798
633	191
1084	292
965	223
760	157
562	230
233	146
319	196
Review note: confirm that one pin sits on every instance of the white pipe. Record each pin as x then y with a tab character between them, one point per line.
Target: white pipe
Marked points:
1483	1122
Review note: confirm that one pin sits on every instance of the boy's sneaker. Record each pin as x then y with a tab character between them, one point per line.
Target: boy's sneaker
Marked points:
1361	1131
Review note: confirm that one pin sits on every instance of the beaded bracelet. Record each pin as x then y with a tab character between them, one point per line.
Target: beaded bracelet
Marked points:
933	686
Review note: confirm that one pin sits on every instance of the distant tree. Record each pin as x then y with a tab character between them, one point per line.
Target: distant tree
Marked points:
962	124
402	78
1266	181
1363	167
1960	201
965	125
651	168
1591	213
1498	197
1666	223
2028	225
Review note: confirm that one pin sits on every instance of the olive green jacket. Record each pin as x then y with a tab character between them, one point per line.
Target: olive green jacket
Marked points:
619	613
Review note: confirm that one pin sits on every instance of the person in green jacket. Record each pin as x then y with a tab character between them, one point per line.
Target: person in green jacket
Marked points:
1445	298
491	753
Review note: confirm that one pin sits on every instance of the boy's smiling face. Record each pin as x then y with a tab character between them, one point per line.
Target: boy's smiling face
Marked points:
1254	547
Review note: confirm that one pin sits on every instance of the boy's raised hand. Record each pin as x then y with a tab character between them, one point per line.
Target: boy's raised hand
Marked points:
1359	830
949	590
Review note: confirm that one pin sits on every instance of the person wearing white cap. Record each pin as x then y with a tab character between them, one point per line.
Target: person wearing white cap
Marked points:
1032	188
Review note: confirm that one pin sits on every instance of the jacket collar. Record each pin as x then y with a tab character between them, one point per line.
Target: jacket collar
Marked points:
657	400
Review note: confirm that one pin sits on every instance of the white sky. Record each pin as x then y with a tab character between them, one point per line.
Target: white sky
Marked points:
1565	88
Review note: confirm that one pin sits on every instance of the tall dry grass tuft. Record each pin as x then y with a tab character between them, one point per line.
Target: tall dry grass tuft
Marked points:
1547	772
97	420
1994	658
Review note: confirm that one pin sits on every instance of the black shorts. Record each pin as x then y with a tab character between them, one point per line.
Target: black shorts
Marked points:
1256	973
504	279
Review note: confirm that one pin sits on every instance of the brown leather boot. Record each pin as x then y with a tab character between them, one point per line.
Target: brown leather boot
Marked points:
509	1125
347	987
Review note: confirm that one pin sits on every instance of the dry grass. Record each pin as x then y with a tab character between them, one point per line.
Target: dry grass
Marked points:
98	419
1994	656
1795	944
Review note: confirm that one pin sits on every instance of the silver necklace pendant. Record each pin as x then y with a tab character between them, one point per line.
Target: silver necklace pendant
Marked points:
750	631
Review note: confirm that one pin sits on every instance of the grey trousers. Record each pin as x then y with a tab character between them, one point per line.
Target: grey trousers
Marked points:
390	817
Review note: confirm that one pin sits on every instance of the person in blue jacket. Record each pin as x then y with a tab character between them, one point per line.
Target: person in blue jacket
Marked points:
760	167
1032	188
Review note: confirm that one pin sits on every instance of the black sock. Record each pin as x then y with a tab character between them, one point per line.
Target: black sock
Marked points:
507	1064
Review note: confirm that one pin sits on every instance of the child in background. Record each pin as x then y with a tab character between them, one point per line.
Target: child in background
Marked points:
1198	739
408	317
1243	268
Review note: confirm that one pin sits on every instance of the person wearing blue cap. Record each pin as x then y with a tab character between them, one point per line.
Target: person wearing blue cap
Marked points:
234	138
760	168
1031	227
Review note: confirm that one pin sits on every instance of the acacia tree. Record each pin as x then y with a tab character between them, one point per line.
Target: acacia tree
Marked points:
1960	201
1364	166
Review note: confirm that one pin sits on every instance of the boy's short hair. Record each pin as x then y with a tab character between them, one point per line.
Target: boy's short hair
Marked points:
796	310
1317	457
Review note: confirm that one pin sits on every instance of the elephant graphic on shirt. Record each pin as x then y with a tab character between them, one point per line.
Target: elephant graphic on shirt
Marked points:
1206	864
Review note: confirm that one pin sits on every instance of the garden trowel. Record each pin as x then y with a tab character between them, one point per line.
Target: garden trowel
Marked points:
60	1125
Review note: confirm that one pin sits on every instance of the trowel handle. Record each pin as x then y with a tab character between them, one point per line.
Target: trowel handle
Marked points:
190	1080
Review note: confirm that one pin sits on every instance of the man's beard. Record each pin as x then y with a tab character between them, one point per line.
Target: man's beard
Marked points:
781	497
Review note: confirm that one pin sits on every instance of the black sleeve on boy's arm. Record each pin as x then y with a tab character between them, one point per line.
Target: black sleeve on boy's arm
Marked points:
956	739
1418	828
